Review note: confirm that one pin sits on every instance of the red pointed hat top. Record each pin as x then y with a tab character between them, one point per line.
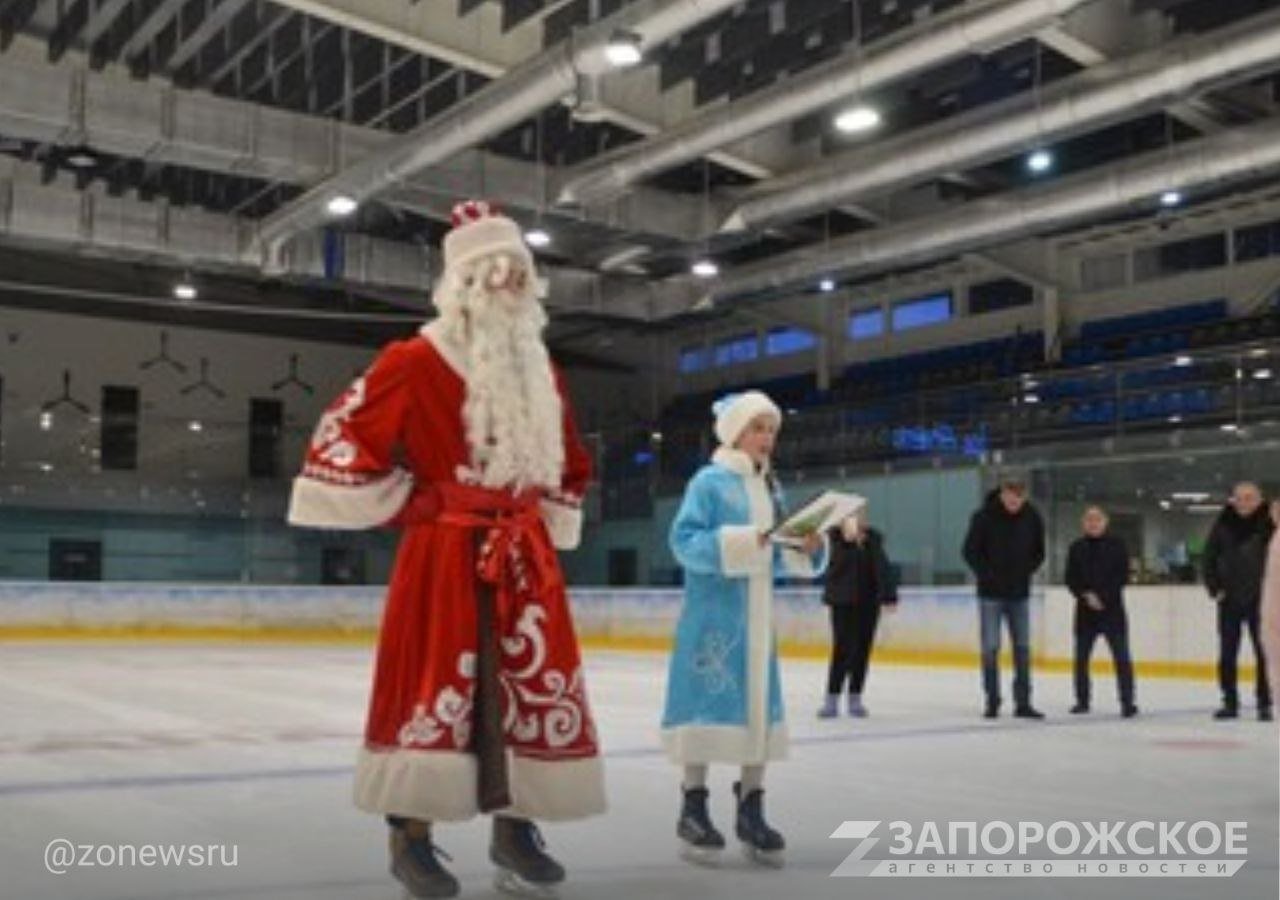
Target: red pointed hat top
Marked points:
480	229
472	211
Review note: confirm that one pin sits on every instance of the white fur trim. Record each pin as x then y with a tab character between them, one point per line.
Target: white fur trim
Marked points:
759	627
741	410
799	565
435	333
490	235
440	786
740	551
697	744
737	461
564	524
317	504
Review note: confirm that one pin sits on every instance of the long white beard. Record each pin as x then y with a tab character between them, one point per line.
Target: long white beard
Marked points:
512	413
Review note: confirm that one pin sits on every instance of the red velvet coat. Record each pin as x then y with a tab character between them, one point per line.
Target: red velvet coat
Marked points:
392	450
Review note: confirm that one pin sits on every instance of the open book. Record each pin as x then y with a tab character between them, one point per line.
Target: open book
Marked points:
815	516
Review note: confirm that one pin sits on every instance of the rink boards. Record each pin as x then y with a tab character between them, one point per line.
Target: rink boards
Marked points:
1172	629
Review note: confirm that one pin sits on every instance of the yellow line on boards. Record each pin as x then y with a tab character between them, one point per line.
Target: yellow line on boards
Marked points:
934	658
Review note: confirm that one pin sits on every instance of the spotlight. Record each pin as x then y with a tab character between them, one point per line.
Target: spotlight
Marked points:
827	285
185	290
537	237
623	50
857	119
342	205
81	158
1182	362
1170	198
195	425
705	268
1040	161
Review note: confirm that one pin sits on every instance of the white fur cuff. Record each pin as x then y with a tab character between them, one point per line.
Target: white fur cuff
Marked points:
740	552
318	504
564	524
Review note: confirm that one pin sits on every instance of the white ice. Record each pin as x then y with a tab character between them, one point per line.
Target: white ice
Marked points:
252	745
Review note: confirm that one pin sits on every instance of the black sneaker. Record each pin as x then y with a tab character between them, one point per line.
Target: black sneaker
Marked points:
1079	709
992	711
1264	713
1128	711
1027	712
1227	712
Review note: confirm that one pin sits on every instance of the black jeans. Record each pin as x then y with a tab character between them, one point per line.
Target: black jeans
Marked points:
1117	637
853	631
1230	620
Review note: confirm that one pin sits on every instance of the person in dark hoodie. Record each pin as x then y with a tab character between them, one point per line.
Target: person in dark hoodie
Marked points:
1235	557
1097	571
859	581
1004	547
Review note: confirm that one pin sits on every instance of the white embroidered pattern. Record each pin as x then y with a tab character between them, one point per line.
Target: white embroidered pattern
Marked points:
542	704
328	440
452	712
711	662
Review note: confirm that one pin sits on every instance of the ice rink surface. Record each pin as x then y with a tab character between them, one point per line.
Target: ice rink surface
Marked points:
252	746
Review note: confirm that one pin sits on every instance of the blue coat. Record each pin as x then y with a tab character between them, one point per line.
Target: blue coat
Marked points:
724	696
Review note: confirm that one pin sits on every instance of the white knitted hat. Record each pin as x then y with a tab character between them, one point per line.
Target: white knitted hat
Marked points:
735	412
479	230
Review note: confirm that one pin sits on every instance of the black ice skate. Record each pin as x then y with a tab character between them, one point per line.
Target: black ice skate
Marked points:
414	861
700	842
761	843
524	868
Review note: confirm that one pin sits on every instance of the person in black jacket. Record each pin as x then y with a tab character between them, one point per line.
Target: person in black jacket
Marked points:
1234	559
1097	571
1004	547
859	581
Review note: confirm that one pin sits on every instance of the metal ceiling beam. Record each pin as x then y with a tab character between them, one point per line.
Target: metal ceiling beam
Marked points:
1210	162
194	129
477	43
217	16
857	72
273	19
1094	46
69	25
535	84
1111	93
13	18
90	223
106	13
162	13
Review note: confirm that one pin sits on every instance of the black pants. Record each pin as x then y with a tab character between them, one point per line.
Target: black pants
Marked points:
1117	637
1230	620
853	631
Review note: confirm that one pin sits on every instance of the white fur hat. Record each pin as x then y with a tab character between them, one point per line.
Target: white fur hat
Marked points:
479	230
735	412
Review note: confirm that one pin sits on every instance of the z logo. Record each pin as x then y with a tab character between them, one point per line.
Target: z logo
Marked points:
854	864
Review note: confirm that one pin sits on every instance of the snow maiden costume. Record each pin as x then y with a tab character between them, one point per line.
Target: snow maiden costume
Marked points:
463	437
724	697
